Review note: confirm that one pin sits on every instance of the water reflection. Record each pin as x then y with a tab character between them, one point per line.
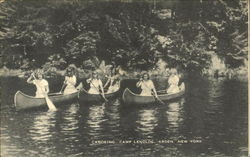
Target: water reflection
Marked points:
174	116
215	90
146	122
70	122
95	119
214	110
68	129
113	115
40	131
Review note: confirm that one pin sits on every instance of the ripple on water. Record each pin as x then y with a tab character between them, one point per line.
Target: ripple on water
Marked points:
211	111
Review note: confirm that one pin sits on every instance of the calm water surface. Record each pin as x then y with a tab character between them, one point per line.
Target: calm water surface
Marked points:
213	113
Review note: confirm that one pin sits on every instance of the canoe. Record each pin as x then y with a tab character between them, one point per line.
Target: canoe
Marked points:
129	97
23	101
84	96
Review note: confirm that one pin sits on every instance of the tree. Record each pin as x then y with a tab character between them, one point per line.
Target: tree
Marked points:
130	34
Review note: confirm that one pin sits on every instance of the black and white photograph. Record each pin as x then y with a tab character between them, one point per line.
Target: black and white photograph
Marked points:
124	78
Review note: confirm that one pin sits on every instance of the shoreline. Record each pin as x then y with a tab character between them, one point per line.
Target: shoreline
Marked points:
4	72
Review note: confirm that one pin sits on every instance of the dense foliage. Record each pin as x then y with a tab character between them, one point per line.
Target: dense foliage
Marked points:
130	34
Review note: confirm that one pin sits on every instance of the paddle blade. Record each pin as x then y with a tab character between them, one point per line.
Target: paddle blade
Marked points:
50	104
158	99
106	100
161	102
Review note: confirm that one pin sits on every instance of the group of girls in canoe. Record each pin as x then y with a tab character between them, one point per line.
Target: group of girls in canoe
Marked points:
70	81
148	88
97	87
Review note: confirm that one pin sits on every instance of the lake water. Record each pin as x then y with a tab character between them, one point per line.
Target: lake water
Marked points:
209	120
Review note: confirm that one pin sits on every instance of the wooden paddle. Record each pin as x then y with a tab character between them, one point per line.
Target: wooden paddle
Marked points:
50	104
102	94
157	98
63	86
58	93
106	84
154	95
